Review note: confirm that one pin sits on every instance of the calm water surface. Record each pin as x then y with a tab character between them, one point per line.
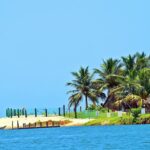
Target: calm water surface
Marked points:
136	137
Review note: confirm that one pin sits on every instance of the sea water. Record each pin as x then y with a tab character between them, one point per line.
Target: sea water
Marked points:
132	137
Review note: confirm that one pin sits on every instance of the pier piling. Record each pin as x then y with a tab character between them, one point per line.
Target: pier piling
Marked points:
26	115
46	113
12	124
59	113
35	111
64	110
17	124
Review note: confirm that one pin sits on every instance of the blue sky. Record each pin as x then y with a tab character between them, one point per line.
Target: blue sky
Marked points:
41	42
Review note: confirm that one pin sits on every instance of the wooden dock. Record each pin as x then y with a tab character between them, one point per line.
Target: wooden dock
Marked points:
37	125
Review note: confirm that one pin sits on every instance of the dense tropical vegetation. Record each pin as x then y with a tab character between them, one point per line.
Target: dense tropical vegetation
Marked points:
118	84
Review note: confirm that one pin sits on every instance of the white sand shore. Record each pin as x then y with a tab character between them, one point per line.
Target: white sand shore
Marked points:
31	119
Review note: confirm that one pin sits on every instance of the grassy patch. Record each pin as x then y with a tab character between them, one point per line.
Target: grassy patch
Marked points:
143	119
91	114
111	121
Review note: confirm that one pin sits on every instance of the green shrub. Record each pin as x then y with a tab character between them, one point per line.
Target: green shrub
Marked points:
92	107
144	119
98	108
102	109
135	113
126	120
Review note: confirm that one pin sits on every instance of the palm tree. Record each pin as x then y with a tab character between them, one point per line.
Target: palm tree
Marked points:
109	72
129	85
74	101
142	61
121	80
128	63
82	85
130	101
144	80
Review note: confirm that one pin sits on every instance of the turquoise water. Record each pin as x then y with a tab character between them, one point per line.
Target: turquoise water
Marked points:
78	138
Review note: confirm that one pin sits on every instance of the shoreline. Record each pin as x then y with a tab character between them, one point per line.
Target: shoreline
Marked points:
69	122
66	122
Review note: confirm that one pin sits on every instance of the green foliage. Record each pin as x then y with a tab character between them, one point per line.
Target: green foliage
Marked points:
82	86
92	107
102	109
97	108
125	120
135	113
126	81
143	119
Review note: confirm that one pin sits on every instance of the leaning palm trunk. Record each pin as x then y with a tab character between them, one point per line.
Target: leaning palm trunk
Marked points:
94	103
86	102
75	111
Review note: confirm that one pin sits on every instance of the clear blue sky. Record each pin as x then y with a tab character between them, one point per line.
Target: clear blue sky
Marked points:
42	41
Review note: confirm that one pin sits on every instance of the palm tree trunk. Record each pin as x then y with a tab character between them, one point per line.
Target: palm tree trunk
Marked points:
75	111
107	99
94	103
86	102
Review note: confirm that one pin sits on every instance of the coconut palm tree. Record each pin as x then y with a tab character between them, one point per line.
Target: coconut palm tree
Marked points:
74	101
109	72
142	61
121	80
128	63
144	80
130	85
82	85
128	102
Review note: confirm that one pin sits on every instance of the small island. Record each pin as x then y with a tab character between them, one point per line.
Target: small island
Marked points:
117	93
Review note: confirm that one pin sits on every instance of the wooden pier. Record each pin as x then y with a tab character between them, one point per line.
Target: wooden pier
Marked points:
37	125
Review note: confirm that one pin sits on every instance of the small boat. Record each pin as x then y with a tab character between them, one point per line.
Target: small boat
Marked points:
1	128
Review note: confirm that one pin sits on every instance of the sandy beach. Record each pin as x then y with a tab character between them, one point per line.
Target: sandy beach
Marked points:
32	119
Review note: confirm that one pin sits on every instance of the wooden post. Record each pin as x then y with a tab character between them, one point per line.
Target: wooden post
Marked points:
24	125
7	112
14	112
17	124
18	113
23	113
53	123
35	124
12	124
47	124
11	113
59	113
64	110
40	124
26	115
45	112
35	110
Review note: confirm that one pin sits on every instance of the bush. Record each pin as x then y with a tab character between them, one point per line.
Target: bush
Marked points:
92	107
98	108
102	109
135	113
144	119
126	120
